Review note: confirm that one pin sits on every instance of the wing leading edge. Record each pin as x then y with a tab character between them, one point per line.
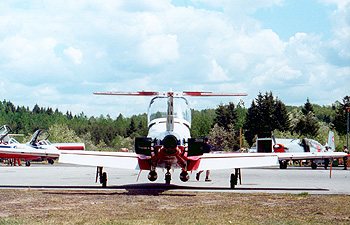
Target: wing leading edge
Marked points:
128	160
310	155
121	160
236	160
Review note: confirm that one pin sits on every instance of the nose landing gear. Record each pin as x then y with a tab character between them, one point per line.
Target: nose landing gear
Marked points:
167	175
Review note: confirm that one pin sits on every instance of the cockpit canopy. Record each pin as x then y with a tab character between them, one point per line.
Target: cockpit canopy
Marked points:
40	136
5	130
158	109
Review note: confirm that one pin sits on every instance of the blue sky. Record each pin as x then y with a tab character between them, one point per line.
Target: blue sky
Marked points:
294	16
56	53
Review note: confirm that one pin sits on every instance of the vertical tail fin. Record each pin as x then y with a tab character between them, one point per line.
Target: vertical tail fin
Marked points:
330	142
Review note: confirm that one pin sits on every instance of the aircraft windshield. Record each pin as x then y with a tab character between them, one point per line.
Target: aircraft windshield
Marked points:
4	131
158	109
39	135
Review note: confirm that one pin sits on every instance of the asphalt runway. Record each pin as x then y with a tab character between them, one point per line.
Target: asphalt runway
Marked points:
267	180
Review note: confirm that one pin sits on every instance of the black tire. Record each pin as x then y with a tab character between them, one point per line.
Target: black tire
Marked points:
233	181
27	163
313	165
104	179
283	164
167	178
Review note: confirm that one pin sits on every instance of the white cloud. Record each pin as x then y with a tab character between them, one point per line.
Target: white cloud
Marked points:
74	54
218	74
142	45
21	51
159	49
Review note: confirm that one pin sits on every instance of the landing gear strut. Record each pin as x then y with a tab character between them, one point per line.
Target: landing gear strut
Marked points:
167	175
234	178
102	175
326	163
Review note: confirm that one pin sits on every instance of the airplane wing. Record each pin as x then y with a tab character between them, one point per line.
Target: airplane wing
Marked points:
121	160
310	155
129	160
236	160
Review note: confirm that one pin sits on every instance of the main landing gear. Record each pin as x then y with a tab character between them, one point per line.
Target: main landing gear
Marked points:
102	175
283	164
234	178
313	165
152	176
167	175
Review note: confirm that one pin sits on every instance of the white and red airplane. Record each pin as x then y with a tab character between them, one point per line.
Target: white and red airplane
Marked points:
39	147
40	140
168	144
306	149
12	149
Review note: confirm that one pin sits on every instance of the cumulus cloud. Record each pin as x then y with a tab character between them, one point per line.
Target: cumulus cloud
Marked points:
218	74
74	54
156	50
72	48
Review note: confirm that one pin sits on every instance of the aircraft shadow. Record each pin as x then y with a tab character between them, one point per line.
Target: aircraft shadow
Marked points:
158	188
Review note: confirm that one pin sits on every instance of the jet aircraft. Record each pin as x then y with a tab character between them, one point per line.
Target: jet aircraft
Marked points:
38	149
12	149
168	144
305	149
40	140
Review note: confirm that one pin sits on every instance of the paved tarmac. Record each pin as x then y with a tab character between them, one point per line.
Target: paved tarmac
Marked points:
267	180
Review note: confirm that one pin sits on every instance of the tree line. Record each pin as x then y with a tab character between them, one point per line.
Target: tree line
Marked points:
225	125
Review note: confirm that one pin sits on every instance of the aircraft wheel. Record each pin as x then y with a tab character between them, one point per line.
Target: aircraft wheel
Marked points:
313	165
283	164
233	180
167	178
27	163
51	161
184	177
326	163
104	179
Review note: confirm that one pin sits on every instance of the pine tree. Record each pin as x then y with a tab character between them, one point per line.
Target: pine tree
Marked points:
226	115
132	127
264	116
307	124
307	107
340	120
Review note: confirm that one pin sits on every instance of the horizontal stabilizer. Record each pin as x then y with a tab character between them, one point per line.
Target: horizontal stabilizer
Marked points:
209	94
135	93
171	93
